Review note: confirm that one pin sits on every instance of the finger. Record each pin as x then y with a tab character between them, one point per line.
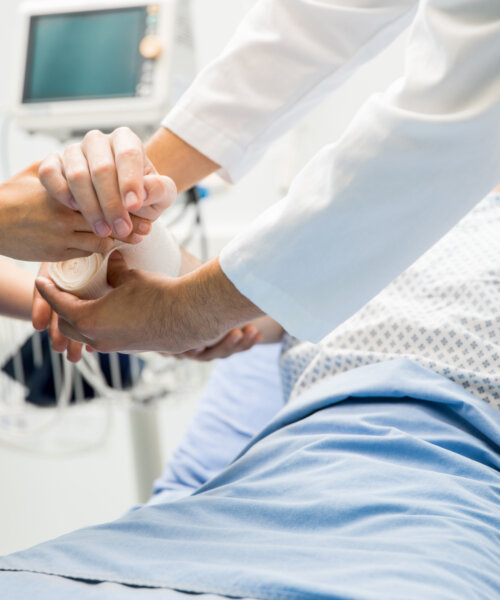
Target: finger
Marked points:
90	243
221	349
51	175
237	340
66	305
131	162
226	347
72	332
74	352
149	168
140	226
40	310
70	253
160	193
251	336
97	150
58	340
80	183
117	270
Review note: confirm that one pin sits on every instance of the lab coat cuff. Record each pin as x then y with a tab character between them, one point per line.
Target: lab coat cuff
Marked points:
208	140
272	300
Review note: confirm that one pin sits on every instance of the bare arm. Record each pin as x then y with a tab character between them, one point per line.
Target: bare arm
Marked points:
177	159
16	290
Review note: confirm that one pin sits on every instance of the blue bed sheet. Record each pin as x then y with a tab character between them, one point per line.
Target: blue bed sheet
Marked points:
380	483
242	395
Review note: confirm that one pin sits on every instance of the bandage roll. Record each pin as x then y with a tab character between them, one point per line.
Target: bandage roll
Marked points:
86	277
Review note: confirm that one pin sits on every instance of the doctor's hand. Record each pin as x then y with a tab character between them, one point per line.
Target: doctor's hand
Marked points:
147	311
34	226
106	177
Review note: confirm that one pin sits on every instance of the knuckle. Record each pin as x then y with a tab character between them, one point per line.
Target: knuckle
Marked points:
123	130
103	170
77	175
93	134
70	151
131	153
47	167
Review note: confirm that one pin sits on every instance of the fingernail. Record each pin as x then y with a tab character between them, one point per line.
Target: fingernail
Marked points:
130	200
199	350
121	227
136	239
144	227
73	204
144	195
102	229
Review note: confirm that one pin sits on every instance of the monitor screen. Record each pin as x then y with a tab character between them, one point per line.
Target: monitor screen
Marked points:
84	55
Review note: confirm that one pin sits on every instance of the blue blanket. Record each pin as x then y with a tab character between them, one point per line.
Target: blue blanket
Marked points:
381	483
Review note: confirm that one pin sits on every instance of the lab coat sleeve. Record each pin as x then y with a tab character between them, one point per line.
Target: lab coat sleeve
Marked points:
412	162
282	61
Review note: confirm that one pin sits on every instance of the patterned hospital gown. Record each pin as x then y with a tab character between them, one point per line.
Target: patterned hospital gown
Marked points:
442	312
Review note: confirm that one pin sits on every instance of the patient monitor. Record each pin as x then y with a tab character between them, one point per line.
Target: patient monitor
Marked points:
101	63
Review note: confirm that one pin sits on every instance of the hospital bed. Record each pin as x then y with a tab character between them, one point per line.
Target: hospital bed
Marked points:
382	481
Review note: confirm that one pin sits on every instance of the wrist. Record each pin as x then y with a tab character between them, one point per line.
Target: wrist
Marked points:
212	304
172	156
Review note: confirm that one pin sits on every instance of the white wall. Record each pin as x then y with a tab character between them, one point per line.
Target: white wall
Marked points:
42	497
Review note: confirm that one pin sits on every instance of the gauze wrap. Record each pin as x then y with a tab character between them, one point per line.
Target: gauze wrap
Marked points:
86	277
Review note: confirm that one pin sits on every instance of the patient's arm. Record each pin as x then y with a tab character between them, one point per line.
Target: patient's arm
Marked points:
262	330
16	290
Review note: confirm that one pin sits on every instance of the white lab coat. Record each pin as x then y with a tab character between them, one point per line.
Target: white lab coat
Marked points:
413	161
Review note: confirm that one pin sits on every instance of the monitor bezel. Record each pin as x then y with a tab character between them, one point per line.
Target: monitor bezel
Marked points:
28	71
104	113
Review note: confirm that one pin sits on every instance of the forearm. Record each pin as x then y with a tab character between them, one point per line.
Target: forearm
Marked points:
208	305
10	211
16	290
181	162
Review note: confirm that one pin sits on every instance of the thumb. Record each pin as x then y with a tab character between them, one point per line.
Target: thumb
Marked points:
40	310
117	269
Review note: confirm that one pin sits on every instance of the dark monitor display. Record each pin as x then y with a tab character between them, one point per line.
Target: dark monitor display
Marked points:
82	55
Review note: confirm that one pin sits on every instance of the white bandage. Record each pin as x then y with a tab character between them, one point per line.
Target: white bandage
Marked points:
87	277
